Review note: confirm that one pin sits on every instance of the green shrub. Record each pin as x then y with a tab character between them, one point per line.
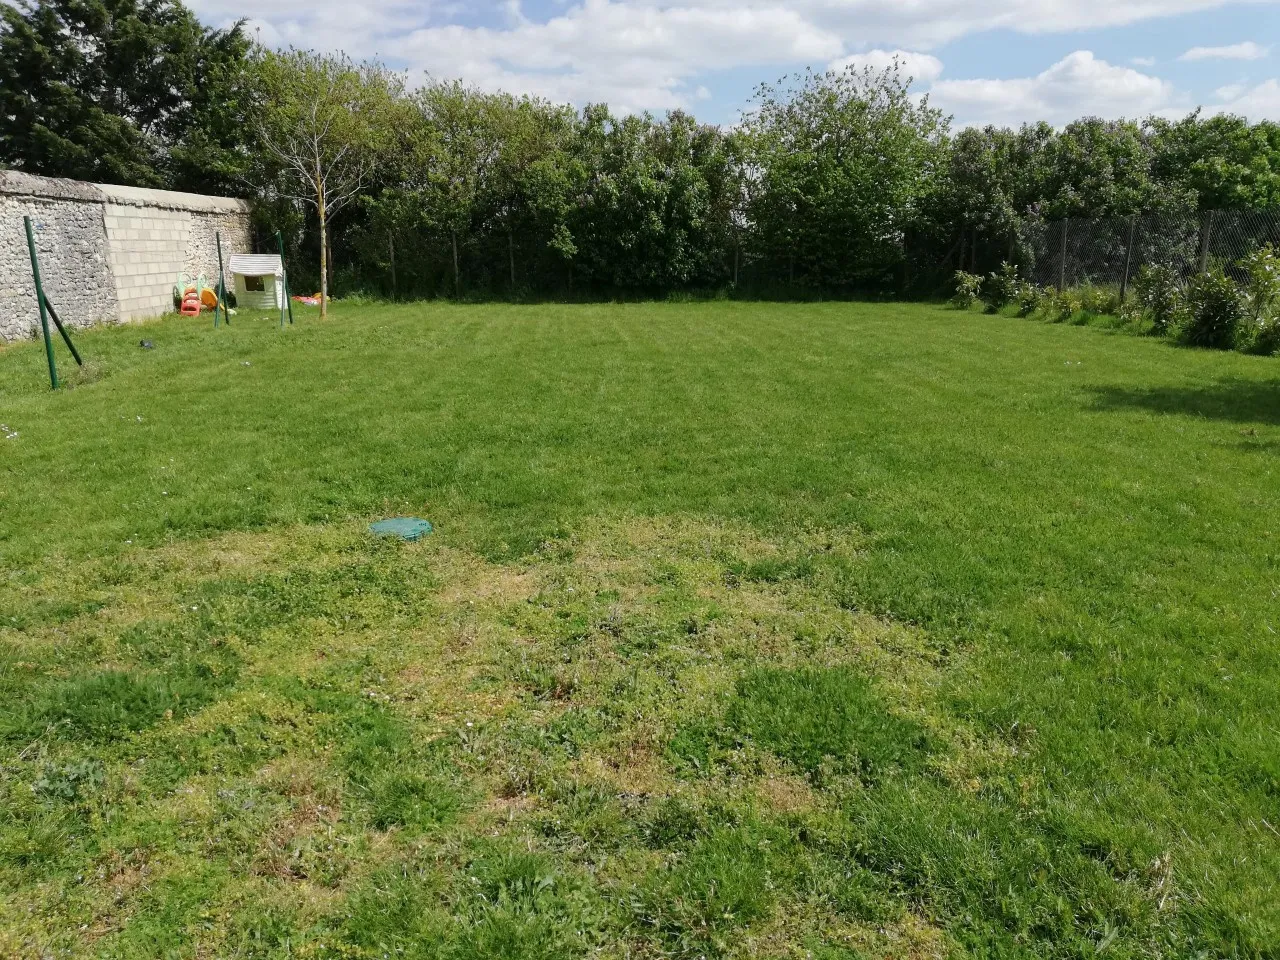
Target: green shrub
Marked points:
1213	311
1101	301
1261	333
1000	287
1028	298
1262	289
1263	338
968	290
1062	305
1157	296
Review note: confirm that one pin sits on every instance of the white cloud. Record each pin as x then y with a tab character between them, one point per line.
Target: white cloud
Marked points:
922	67
1143	61
1078	84
1261	102
1237	51
633	56
652	54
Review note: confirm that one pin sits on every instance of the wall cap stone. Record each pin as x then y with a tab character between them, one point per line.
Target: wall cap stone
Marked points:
18	184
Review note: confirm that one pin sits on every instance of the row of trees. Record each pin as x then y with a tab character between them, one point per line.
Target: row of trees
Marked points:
832	182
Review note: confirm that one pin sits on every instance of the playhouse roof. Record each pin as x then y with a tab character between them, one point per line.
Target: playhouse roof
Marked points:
256	264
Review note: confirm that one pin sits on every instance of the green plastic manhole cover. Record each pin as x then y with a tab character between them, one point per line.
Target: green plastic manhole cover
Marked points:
406	528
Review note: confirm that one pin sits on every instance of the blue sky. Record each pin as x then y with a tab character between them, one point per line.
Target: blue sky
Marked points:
1001	61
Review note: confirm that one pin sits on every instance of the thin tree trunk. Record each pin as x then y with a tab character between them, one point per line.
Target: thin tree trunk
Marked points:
1206	233
391	245
457	278
328	240
511	254
1128	259
324	252
1062	264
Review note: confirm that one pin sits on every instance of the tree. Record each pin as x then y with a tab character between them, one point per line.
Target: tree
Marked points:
840	163
323	120
75	103
467	139
1101	168
1223	162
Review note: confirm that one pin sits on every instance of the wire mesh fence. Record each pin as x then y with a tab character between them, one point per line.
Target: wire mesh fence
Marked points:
1075	252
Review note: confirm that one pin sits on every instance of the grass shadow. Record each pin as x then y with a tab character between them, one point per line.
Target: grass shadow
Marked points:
1236	401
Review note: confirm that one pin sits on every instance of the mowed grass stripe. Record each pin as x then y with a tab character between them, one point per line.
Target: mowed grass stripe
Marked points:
1083	523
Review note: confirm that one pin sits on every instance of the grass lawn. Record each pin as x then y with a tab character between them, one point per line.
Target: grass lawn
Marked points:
836	630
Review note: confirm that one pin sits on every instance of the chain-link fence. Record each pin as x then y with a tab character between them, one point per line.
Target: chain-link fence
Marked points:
1068	253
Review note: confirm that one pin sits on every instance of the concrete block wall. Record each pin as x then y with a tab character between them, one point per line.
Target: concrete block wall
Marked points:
107	253
148	252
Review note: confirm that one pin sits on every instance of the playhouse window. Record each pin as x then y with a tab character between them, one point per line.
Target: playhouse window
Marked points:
254	284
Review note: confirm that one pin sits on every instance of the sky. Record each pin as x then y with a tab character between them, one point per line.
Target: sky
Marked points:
982	61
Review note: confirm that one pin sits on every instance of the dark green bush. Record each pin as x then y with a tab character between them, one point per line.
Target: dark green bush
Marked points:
1157	296
1028	298
1102	301
1000	287
1261	333
1062	305
968	289
1213	311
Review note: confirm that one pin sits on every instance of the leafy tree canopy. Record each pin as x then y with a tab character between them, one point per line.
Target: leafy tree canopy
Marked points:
135	92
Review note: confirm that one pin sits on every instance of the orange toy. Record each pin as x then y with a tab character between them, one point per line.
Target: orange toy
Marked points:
191	303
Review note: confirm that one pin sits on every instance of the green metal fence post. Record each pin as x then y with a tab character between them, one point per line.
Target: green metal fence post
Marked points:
285	272
66	337
44	317
222	287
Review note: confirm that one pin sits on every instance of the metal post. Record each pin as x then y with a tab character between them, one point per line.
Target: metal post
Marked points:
222	285
1128	260
288	301
391	243
44	317
66	337
1062	267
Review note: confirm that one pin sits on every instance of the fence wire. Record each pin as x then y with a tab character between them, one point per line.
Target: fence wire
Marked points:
1075	252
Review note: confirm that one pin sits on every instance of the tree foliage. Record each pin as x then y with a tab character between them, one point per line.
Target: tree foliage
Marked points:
136	92
833	182
840	164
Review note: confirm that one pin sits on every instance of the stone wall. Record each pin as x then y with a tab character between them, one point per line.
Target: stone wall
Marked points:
107	253
66	219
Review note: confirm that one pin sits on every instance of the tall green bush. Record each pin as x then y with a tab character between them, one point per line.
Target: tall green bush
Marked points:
1212	312
968	290
1000	287
1262	300
1157	296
